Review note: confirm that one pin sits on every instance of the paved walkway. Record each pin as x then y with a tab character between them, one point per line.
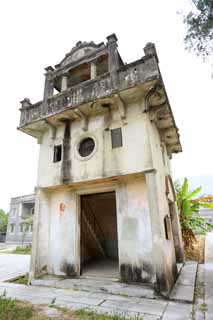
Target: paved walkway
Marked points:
127	304
13	265
103	301
149	309
203	308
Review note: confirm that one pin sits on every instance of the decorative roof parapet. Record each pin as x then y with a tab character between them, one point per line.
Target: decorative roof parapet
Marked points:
25	103
150	49
80	50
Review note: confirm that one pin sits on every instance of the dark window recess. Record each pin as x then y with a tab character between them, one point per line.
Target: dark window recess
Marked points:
167	227
57	153
21	227
116	136
86	147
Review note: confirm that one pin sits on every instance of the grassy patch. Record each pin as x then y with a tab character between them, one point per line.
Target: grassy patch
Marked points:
89	315
203	307
11	309
18	250
22	250
14	310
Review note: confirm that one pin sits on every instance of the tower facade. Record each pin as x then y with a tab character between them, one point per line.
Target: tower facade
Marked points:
105	199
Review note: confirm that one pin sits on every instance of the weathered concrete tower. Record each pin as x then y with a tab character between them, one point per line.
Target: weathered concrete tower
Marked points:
104	193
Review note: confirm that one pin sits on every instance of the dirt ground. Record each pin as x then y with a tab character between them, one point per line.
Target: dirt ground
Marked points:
197	254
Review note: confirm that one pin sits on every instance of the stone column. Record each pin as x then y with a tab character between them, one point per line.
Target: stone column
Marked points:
48	86
164	273
113	61
25	104
64	81
40	243
93	70
150	49
176	229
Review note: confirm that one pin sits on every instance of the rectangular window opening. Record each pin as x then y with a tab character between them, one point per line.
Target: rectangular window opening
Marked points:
57	153
167	227
12	227
116	136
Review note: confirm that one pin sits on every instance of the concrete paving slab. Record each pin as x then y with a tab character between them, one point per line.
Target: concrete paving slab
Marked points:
13	265
122	313
51	312
150	317
125	314
98	286
183	290
72	305
182	293
155	307
208	276
102	301
209	248
178	311
77	300
152	307
203	306
209	290
82	300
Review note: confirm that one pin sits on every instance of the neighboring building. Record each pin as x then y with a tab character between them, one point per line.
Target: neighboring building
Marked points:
21	208
105	202
207	213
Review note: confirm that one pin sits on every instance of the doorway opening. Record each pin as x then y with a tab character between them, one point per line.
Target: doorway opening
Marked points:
99	240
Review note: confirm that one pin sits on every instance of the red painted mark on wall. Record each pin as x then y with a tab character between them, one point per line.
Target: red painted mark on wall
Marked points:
62	208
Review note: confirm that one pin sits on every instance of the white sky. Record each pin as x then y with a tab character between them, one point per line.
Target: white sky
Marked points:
36	34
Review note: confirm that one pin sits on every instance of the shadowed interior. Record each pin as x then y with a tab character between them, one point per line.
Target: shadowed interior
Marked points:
99	241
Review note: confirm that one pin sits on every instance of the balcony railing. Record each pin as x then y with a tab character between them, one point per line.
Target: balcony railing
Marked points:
128	76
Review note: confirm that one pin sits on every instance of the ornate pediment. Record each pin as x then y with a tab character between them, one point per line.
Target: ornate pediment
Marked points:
81	50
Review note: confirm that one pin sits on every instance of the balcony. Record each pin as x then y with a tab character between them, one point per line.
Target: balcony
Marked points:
128	76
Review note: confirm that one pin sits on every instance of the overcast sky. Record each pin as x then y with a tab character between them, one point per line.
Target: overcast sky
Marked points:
38	33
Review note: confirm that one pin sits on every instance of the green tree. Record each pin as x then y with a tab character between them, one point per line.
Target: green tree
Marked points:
189	208
199	22
3	221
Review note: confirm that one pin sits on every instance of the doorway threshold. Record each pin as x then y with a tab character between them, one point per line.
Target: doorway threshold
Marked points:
106	268
98	285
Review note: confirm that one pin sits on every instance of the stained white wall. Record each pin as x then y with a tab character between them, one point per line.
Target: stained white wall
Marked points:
63	233
134	228
168	250
141	151
133	157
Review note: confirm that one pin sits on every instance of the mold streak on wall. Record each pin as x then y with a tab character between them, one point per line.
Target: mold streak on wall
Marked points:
66	162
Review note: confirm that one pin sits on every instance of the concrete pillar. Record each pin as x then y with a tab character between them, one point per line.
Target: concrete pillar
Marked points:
113	60
165	272
93	70
40	243
48	86
64	84
176	230
134	232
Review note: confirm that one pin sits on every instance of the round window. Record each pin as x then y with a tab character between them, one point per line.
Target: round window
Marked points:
86	147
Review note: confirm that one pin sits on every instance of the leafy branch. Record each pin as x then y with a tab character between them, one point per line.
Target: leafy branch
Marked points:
189	208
